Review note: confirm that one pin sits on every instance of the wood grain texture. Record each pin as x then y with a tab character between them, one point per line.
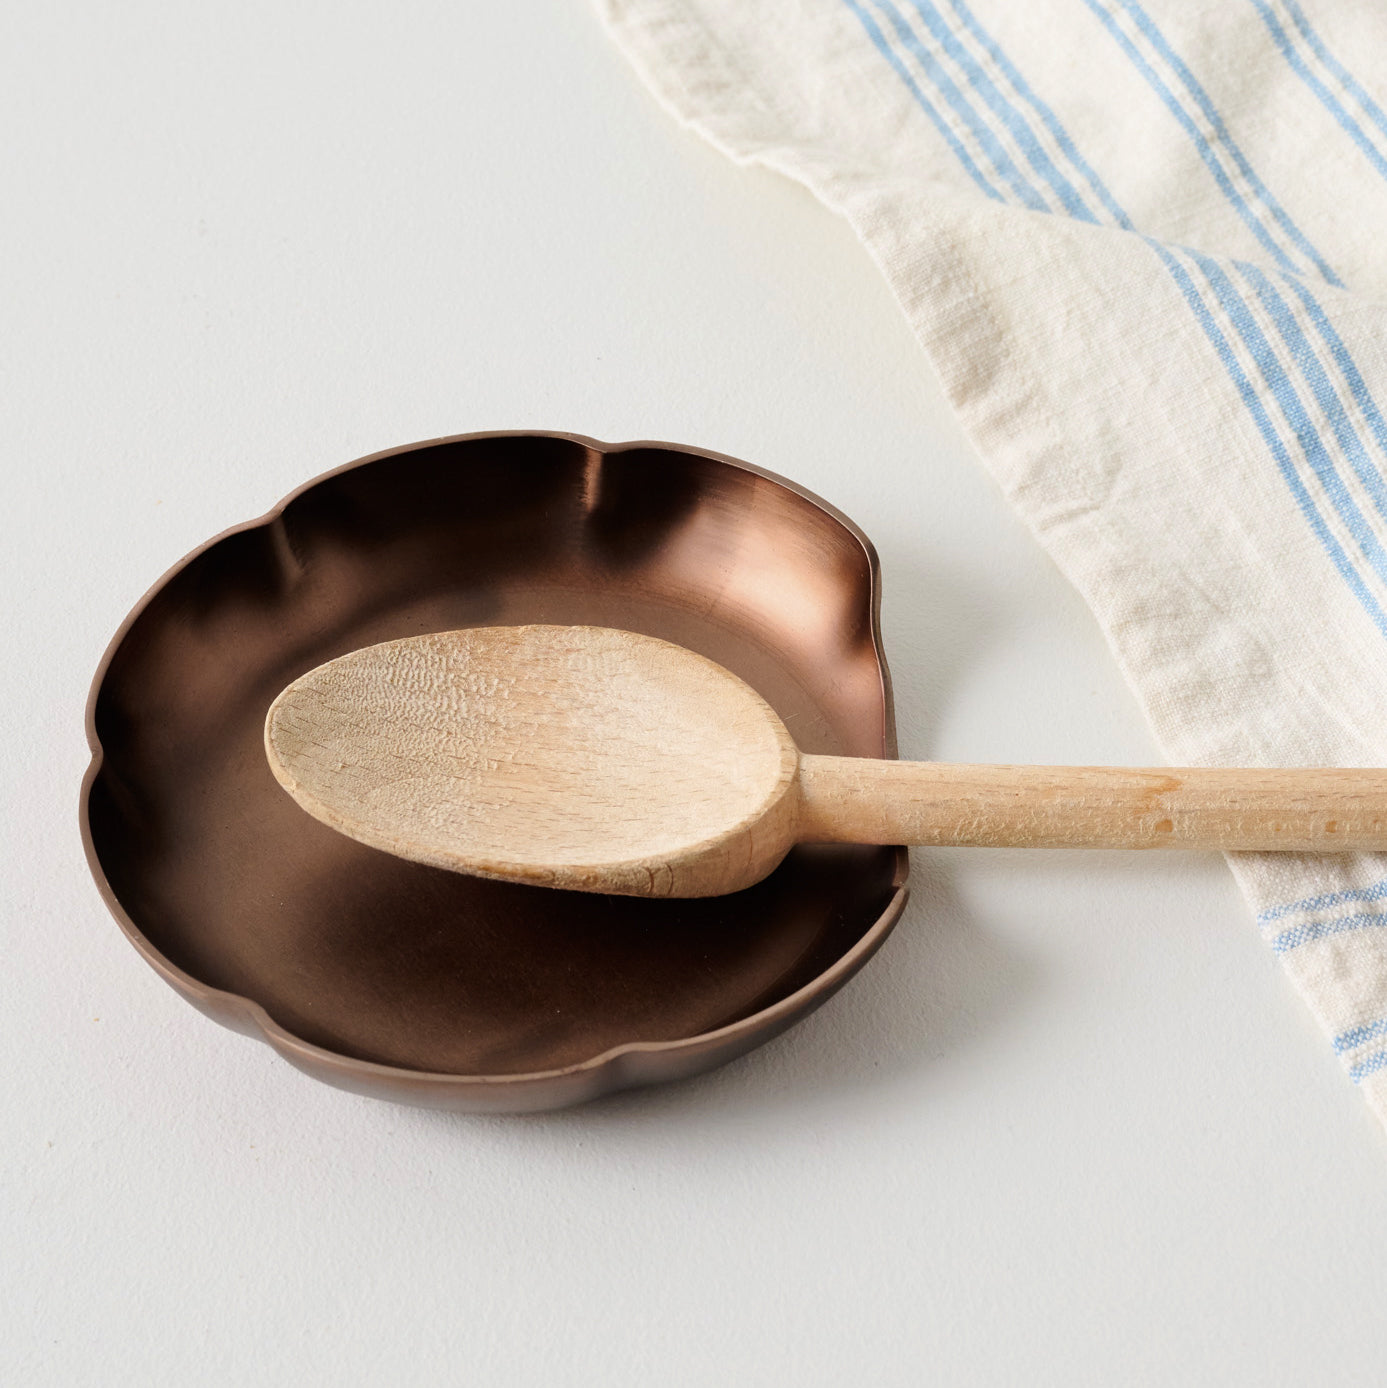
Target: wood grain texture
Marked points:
572	757
602	760
850	800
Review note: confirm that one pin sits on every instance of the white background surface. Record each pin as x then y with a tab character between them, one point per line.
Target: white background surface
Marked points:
1071	1126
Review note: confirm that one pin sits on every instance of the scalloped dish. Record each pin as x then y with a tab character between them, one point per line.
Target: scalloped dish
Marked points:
419	985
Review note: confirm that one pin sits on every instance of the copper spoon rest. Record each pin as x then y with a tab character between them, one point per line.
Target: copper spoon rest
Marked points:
412	983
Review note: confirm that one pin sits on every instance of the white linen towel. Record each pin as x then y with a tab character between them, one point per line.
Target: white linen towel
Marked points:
1145	245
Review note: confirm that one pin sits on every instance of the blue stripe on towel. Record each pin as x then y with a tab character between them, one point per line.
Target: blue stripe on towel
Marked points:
1358	1073
1351	1040
1268	363
1313	372
1354	1040
977	125
1294	55
1015	122
1358	387
1061	136
1210	151
1376	892
1373	111
940	124
1265	425
1299	935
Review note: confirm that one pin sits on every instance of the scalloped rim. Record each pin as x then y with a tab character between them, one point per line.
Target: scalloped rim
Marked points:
602	1072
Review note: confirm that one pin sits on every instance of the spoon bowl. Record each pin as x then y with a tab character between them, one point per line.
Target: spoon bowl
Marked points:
573	757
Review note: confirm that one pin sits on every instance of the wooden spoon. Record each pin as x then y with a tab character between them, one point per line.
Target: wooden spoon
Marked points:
605	761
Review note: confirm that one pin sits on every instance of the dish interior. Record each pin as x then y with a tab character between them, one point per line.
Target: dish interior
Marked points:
384	960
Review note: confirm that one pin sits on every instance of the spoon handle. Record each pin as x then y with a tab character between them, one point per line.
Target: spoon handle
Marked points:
857	800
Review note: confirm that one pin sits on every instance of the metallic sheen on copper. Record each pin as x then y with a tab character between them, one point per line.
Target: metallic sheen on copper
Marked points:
420	985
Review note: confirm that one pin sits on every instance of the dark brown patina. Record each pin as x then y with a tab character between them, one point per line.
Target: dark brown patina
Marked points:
420	985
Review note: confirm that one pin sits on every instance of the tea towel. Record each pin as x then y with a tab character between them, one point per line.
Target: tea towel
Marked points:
1144	243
